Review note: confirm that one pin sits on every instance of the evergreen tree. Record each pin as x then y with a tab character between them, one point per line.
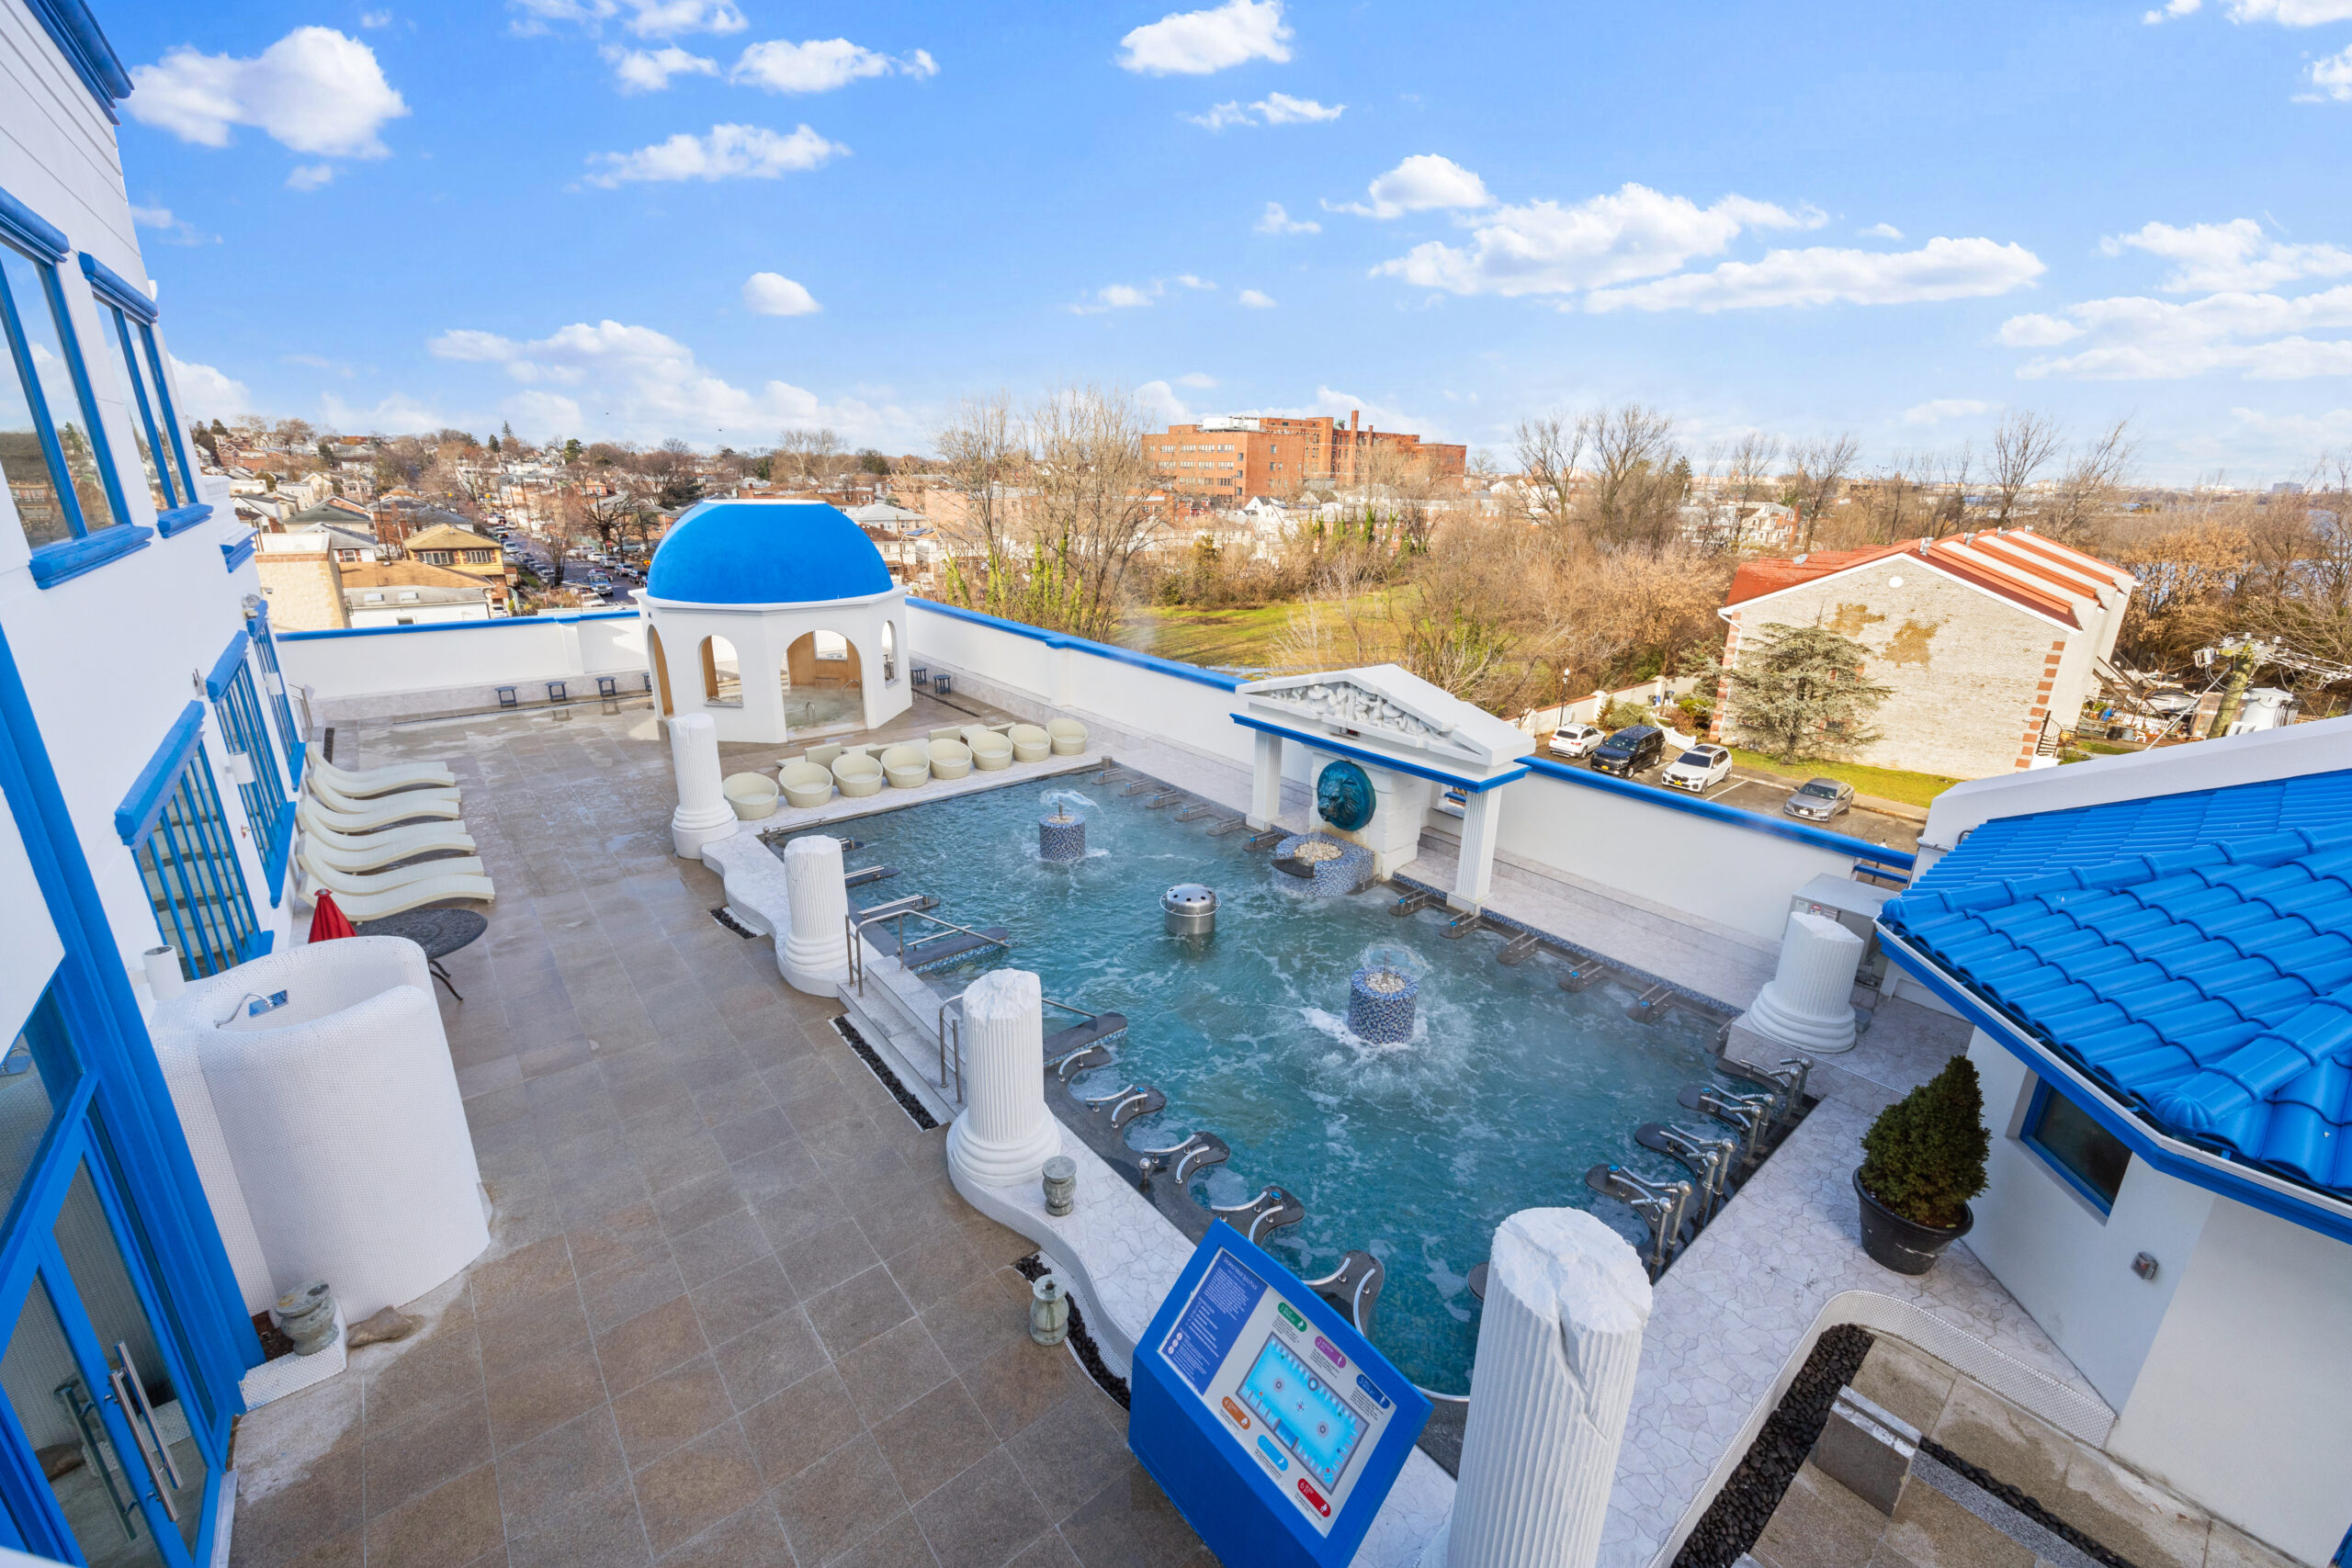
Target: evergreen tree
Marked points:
1798	691
1924	1157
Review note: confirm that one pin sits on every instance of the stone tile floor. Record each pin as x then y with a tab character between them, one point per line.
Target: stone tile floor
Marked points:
1820	1524
733	1312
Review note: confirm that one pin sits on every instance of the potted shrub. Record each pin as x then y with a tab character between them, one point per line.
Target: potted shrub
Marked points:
1923	1160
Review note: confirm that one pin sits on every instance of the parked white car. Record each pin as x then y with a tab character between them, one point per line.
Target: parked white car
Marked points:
1698	768
1577	740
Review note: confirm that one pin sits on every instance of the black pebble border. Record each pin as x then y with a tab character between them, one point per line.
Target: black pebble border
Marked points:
914	1108
732	924
2030	1506
1744	1505
1033	1269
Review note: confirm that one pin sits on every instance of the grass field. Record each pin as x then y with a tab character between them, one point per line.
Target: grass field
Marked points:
1238	638
1887	784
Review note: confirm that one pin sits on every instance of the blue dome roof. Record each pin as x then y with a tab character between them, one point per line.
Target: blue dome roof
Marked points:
766	552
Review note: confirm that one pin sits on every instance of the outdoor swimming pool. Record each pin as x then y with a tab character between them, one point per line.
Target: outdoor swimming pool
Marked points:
1510	1089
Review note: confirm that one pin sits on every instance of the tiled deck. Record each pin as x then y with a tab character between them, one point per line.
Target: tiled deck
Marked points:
733	1314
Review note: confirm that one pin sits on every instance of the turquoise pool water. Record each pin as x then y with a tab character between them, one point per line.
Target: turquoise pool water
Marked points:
1510	1089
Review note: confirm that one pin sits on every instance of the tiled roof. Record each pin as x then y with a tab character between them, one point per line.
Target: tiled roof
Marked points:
2015	564
2191	952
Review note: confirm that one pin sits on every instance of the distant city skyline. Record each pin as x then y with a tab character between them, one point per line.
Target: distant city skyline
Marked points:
638	219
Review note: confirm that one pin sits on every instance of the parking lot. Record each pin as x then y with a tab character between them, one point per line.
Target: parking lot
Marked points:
1750	789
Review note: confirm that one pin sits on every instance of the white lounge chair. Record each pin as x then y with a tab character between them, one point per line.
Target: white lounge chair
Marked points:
335	800
990	751
366	816
362	783
906	766
950	758
324	871
360	863
858	775
1069	737
806	784
751	795
363	900
364	852
1030	744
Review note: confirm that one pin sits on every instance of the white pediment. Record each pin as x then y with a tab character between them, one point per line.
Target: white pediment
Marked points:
1387	705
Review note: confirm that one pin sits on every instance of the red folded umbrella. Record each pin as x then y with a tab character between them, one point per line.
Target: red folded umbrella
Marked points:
327	923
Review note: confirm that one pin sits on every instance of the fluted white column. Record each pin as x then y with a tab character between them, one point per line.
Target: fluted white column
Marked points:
814	954
1809	1004
703	814
1566	1302
1005	1133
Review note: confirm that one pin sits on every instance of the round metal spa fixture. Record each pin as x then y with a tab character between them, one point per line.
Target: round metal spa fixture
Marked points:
1190	909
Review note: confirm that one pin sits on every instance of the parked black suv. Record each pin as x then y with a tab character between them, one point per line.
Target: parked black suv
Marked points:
1632	749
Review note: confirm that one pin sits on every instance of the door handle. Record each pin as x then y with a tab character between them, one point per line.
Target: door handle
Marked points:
130	1419
131	1376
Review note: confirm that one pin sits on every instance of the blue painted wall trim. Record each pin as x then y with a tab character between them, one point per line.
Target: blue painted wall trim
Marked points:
2165	1154
117	289
1332	743
29	229
493	625
81	42
180	519
69	558
154	786
276	852
238	554
1731	815
225	668
1191	672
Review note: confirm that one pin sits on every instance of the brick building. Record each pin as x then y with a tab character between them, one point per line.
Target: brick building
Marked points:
1228	459
1990	641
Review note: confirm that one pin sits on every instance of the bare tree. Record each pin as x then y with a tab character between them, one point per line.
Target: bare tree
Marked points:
1095	510
2022	445
2089	485
1821	467
981	456
1744	473
1638	475
1952	471
1548	448
809	455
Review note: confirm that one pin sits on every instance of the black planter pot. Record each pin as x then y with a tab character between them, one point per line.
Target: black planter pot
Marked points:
1902	1244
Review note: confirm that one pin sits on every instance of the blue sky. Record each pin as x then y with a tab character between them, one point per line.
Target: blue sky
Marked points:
1899	220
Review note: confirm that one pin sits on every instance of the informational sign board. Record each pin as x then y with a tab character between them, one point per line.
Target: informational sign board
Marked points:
1274	1426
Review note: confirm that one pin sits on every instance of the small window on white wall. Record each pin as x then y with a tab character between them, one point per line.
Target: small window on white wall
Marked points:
889	650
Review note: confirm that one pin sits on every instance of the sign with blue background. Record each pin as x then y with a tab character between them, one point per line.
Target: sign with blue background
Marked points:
1274	1426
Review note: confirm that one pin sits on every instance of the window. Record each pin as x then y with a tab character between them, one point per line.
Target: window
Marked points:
274	681
162	454
2090	1158
231	687
188	858
53	448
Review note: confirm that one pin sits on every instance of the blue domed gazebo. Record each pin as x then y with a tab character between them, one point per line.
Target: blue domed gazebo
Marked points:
778	619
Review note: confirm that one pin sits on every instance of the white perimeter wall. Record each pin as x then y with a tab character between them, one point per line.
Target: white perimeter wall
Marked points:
409	671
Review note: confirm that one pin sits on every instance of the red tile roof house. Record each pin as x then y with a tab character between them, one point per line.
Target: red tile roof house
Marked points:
1989	641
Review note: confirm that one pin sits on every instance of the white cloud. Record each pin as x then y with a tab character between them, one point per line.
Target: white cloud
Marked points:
207	393
310	176
170	230
1941	408
1159	399
2173	9
772	293
1254	300
2289	13
398	415
2237	255
1195	43
646	18
2333	76
1275	109
1188	281
314	91
821	65
1882	231
1544	248
1277	221
651	70
372	20
1819	275
2259	337
1116	297
626	383
1422	182
729	152
1196	379
2298	433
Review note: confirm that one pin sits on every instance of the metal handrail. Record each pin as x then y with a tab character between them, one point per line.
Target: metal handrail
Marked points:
854	929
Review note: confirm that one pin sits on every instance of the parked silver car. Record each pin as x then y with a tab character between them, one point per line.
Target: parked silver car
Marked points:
1817	800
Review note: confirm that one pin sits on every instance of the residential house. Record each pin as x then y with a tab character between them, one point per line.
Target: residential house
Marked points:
410	594
1989	643
462	550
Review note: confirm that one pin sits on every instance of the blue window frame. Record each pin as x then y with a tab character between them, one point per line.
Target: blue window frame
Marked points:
52	445
187	855
289	734
2086	1155
231	687
163	452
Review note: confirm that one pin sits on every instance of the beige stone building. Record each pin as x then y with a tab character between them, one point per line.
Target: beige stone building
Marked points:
1989	642
302	579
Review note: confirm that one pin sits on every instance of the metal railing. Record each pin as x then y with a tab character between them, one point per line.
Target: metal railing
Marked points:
853	926
950	1024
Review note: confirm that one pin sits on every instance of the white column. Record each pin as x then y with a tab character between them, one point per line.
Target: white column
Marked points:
1566	1302
703	813
1005	1133
814	954
1266	782
1809	1004
1474	879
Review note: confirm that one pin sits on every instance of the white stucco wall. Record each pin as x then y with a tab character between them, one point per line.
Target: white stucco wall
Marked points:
2243	1403
396	671
761	636
2066	1263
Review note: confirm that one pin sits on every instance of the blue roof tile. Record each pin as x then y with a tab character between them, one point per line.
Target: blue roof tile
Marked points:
2192	952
